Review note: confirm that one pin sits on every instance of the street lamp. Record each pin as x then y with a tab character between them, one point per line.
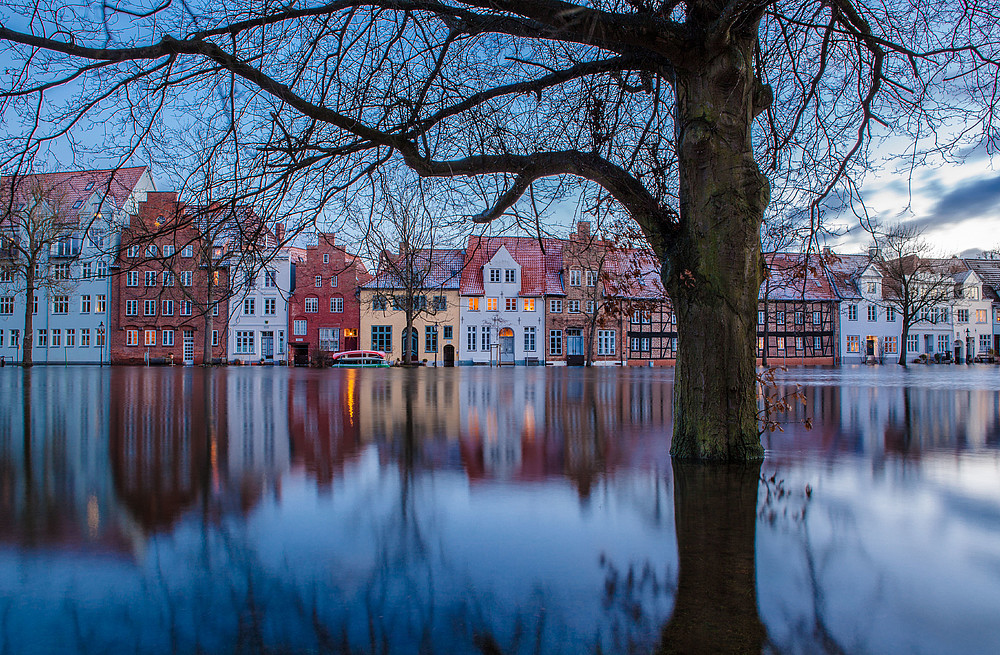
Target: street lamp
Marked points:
100	341
968	348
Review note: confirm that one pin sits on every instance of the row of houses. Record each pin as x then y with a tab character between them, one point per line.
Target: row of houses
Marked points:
141	276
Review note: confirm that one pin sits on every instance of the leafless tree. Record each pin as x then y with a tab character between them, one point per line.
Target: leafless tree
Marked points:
688	116
916	284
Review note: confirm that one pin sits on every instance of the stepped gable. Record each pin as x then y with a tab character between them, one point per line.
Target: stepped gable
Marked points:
794	276
541	264
635	274
75	188
444	272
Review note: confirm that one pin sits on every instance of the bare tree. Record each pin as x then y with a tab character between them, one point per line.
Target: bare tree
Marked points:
916	285
686	116
34	223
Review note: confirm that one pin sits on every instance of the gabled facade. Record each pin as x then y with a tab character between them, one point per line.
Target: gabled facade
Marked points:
649	325
258	309
797	312
433	289
72	317
972	311
503	287
989	271
324	314
164	295
870	327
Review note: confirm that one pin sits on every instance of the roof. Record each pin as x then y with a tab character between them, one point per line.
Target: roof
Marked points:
540	261
443	269
844	271
76	187
634	274
795	276
989	271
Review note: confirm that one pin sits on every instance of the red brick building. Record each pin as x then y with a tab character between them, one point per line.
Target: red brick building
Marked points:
170	283
324	312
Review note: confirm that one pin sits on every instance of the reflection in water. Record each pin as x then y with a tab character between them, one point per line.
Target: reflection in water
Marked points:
475	510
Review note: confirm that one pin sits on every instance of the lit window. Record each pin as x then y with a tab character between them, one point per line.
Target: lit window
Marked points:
491	304
473	304
529	304
131	337
149	338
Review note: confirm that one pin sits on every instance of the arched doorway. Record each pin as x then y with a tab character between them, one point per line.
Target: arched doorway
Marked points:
449	355
506	346
413	345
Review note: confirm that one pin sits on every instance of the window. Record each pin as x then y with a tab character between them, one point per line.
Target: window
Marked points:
133	251
7	305
85	338
132	279
470	338
981	316
378	303
131	307
149	338
440	303
984	343
890	314
318	281
799	343
215	338
88	269
149	308
430	338
852	312
334	281
943	343
101	304
510	304
326	258
84	304
187	251
573	306
270	306
329	339
131	337
872	313
591	306
962	315
780	344
299	328
591	278
249	306
337	305
492	304
605	341
510	275
168	251
101	338
382	338
779	318
34	304
168	335
760	317
529	304
487	333
912	343
312	305
447	332
800	318
972	293
473	304
244	342
853	343
871	287
151	250
15	338
270	279
168	279
186	278
555	342
494	275
529	339
102	268
185	307
56	338
5	275
281	341
167	307
891	346
574	277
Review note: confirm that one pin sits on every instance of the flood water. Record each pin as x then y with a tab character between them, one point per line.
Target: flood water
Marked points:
252	510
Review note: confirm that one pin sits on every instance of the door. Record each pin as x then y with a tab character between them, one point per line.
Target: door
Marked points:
449	355
267	345
350	339
870	346
506	346
300	354
188	347
413	345
574	347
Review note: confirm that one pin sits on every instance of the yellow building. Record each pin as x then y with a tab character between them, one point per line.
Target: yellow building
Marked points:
426	279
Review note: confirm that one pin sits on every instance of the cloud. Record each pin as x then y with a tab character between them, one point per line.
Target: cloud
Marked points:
972	199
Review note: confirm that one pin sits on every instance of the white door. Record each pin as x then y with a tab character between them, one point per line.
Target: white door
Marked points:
188	347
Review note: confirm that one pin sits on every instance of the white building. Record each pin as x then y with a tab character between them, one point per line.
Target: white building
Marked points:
71	318
870	328
502	318
972	324
258	312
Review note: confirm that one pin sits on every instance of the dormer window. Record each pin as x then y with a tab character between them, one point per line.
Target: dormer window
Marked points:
871	287
78	204
494	275
972	293
90	185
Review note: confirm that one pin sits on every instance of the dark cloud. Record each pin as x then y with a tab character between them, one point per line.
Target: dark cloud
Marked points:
969	200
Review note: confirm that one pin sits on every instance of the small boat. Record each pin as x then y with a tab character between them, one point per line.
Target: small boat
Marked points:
359	359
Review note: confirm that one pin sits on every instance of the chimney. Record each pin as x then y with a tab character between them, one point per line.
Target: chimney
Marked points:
826	252
583	230
279	232
873	252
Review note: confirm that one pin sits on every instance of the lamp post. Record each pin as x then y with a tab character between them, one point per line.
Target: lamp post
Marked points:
968	348
100	340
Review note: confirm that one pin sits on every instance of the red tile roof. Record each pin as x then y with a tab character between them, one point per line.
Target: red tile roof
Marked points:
440	268
74	186
634	274
540	260
795	276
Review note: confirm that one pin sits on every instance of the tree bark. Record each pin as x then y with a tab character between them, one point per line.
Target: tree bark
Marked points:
902	341
29	302
715	268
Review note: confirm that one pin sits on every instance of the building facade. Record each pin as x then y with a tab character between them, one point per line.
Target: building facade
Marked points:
797	315
258	310
72	300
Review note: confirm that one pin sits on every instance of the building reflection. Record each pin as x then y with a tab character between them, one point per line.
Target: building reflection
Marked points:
323	423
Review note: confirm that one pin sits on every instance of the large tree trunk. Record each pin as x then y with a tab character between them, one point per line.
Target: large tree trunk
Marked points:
29	326
714	271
